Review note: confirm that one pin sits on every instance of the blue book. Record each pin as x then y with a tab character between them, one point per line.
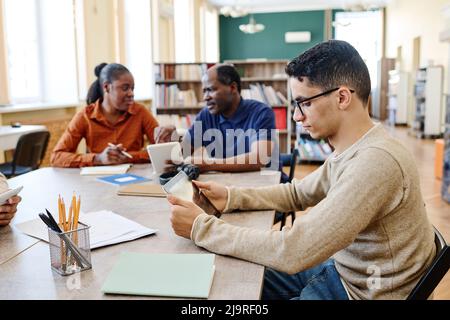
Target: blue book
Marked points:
123	179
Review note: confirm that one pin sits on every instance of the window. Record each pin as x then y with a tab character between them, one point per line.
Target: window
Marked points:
354	27
22	49
40	41
184	31
57	46
138	46
209	21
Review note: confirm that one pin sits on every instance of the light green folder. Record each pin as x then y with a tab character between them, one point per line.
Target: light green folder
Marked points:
165	275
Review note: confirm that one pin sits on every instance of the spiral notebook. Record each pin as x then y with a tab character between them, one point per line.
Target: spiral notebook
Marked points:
163	275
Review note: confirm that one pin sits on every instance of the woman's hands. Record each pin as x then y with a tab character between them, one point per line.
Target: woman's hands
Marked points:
111	155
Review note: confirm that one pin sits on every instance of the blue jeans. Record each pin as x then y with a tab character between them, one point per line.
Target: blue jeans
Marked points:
321	282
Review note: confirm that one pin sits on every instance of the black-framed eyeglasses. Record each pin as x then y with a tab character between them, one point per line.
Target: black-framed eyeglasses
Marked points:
304	103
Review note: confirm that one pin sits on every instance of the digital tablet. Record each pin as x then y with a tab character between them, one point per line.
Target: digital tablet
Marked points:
162	152
9	194
203	202
180	186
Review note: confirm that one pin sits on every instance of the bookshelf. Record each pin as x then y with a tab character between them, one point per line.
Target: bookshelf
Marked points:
380	93
178	92
428	96
398	97
266	81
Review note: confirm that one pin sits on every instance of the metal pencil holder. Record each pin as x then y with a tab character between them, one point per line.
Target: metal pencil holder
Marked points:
70	251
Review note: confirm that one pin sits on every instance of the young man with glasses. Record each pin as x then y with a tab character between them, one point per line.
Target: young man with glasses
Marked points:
366	235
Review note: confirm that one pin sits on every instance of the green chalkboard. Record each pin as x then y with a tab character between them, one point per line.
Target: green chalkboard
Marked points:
269	43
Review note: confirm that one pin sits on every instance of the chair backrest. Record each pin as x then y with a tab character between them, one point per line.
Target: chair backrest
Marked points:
290	159
30	150
435	272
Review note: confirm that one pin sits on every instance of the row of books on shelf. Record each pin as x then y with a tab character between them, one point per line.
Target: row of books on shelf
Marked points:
266	94
313	150
185	121
171	96
187	72
266	70
179	121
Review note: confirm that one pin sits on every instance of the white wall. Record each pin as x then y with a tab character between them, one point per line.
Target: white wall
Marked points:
100	37
408	19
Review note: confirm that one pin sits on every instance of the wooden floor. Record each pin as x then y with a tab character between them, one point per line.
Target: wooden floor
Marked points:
438	210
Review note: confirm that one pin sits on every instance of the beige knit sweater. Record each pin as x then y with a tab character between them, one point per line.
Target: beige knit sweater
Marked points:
368	214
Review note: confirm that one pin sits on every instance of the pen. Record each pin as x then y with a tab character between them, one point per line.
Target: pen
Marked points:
126	154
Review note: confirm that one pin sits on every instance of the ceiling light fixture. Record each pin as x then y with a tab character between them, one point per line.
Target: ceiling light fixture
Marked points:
361	5
252	26
233	11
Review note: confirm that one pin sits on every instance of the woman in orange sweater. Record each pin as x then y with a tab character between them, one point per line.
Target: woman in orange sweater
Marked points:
111	123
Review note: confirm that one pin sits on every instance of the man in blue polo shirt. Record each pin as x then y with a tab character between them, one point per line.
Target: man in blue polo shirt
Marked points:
233	134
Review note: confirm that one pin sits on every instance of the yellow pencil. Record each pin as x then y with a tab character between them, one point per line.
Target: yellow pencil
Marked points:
63	205
70	222
59	211
61	224
77	212
76	216
72	213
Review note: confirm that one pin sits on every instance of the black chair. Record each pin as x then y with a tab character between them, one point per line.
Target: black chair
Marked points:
30	151
289	159
435	272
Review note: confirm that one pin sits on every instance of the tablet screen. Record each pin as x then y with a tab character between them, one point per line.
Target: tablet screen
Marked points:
160	153
180	186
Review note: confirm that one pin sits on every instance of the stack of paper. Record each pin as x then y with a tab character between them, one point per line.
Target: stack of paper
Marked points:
104	170
164	275
106	228
110	228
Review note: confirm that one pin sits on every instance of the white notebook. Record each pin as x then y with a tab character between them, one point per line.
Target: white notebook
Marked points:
105	170
106	228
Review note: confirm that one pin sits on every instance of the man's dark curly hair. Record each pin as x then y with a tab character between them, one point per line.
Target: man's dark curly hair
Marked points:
332	64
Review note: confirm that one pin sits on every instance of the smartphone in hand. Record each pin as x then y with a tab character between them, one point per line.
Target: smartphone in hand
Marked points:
203	202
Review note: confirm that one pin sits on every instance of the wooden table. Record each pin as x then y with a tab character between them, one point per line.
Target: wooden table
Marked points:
25	271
